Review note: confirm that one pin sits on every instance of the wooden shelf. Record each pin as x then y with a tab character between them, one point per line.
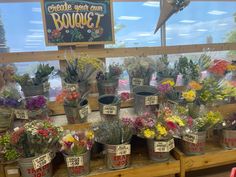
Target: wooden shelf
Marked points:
215	156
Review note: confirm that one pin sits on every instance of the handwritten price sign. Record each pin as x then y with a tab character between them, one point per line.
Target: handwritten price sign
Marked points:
109	110
41	161
46	87
84	112
71	87
164	146
74	161
191	138
151	100
21	114
137	82
123	150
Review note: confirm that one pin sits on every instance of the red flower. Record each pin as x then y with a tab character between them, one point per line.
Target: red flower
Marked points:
219	67
15	136
171	125
190	121
43	132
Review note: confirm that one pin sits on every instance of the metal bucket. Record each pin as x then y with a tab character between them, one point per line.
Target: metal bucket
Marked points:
6	119
75	169
33	90
141	96
109	107
156	156
195	149
114	161
71	114
107	86
229	139
39	114
83	111
27	169
138	81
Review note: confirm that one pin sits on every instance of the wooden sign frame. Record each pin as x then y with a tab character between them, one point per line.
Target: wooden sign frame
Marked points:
42	2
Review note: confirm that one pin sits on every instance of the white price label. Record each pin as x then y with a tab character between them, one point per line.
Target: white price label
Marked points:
84	112
41	161
161	146
109	110
71	87
21	114
151	100
13	172
191	138
137	82
123	150
46	87
171	144
74	161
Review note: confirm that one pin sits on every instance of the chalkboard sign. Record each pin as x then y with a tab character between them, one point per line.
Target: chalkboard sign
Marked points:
72	22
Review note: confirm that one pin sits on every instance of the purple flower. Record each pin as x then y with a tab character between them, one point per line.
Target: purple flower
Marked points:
164	88
37	102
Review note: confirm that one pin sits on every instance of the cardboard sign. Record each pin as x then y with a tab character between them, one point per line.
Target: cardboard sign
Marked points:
164	146
191	138
73	22
71	87
46	87
137	82
74	161
84	112
109	110
151	100
41	161
21	114
123	150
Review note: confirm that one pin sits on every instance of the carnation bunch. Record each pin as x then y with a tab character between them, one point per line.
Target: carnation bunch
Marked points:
68	98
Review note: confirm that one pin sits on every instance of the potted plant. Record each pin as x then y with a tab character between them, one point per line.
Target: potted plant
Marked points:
36	142
107	82
76	147
79	71
38	85
140	70
115	136
194	137
229	132
10	99
76	107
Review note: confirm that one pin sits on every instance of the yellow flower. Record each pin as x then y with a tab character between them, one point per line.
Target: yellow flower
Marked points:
170	82
161	130
195	85
189	96
176	119
149	133
69	138
90	134
231	67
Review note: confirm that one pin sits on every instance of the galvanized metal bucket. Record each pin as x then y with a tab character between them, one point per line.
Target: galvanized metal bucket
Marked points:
83	111
145	99
156	156
107	86
195	148
138	81
229	139
33	90
71	114
109	107
39	114
6	119
27	169
78	165
114	161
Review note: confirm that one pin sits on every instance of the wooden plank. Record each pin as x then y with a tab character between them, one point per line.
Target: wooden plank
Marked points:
115	52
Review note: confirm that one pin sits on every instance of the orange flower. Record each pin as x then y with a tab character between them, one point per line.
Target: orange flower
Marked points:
231	67
195	85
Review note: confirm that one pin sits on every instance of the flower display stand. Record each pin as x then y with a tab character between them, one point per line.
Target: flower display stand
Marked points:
215	156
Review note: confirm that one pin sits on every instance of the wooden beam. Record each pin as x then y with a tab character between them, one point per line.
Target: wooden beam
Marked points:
18	1
114	52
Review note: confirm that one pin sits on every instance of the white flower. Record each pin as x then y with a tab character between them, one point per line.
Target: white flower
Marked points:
16	129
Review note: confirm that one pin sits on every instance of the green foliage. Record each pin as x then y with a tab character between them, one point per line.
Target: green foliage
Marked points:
71	75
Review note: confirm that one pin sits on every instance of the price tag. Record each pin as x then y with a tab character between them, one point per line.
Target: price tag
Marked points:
151	100
13	172
191	138
123	150
137	82
84	112
161	146
41	161
21	114
46	87
171	145
74	161
109	110
71	87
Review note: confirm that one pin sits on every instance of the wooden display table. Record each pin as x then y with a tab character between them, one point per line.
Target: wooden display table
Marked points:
215	156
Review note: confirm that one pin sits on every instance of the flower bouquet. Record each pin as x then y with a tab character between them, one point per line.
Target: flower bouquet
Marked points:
36	143
78	72
6	74
140	70
76	147
38	85
194	137
107	82
116	138
10	99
